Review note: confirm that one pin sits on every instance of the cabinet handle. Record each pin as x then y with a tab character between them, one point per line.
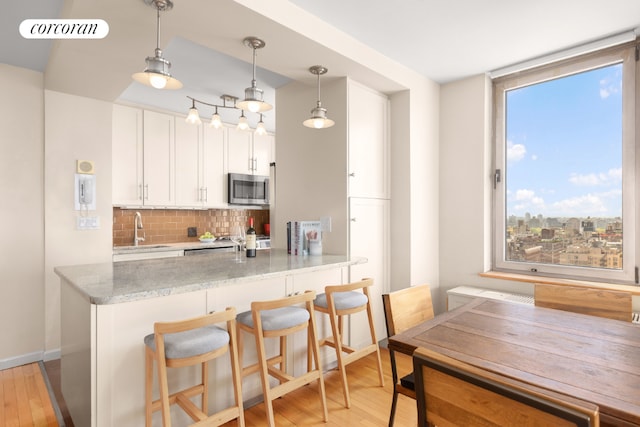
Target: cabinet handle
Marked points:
352	174
145	194
140	194
206	194
353	219
255	164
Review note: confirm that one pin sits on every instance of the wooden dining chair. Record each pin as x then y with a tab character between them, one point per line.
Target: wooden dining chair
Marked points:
451	392
596	302
404	309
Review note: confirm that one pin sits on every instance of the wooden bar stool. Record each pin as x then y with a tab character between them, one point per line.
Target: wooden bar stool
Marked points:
343	300
278	319
186	343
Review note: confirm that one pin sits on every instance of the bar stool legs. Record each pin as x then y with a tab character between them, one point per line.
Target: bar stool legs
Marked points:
186	343
340	301
278	319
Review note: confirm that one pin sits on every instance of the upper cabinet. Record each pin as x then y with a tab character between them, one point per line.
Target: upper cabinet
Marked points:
249	153
159	157
199	165
143	151
127	149
368	145
162	161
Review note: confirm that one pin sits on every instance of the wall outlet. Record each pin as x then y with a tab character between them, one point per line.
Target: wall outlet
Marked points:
192	231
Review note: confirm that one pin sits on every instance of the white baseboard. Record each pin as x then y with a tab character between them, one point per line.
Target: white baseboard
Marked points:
24	359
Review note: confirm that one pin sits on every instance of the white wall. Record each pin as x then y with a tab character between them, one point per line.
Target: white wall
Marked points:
311	164
21	214
466	186
76	128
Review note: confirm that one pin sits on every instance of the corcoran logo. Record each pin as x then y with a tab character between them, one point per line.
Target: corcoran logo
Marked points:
64	29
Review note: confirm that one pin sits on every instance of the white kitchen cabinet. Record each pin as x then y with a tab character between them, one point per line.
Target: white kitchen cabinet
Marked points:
188	164
249	153
127	146
144	153
368	142
159	159
369	237
199	165
213	188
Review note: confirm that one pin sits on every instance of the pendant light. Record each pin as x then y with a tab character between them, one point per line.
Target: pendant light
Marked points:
193	117
243	124
260	129
318	119
156	73
252	95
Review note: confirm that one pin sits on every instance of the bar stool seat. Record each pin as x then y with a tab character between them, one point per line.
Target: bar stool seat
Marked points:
279	319
343	300
186	343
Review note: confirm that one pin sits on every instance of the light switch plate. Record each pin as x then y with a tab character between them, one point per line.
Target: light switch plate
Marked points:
325	223
88	223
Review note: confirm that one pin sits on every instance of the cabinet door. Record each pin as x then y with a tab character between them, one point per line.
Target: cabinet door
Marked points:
159	157
263	146
188	164
369	237
368	143
214	190
127	154
239	151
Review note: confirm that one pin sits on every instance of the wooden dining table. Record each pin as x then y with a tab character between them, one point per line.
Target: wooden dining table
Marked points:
588	357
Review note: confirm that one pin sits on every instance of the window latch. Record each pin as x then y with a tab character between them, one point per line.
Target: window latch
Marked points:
496	178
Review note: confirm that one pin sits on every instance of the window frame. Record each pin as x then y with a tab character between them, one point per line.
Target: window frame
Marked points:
627	55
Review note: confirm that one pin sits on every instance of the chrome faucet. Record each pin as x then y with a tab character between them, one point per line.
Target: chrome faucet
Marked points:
137	225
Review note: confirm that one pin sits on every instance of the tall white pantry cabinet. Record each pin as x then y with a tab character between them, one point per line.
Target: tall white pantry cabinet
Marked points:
369	197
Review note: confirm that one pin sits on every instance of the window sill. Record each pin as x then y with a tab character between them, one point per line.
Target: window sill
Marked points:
528	278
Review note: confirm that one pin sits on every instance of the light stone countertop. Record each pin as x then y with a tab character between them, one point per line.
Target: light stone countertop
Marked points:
124	281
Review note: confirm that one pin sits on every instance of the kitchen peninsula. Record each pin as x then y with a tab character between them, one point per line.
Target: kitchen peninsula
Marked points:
108	308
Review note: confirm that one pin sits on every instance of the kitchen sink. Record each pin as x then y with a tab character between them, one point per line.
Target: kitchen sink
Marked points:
132	248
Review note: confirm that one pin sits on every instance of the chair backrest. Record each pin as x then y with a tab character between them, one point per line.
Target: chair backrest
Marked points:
596	302
450	392
406	308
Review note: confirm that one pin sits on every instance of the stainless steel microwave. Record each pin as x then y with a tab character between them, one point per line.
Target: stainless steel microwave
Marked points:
248	189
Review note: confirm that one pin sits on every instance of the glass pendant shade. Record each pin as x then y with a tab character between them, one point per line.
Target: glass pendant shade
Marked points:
216	121
260	129
193	117
243	124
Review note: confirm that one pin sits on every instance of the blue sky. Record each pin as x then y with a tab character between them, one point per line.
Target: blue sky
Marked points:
564	146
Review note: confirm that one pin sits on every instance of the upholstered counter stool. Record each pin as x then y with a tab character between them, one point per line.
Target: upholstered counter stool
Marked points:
190	342
279	319
343	300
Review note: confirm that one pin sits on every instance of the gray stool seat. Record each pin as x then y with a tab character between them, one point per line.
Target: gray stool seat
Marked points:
276	319
342	300
192	342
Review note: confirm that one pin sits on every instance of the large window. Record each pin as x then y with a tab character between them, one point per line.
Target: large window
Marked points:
565	196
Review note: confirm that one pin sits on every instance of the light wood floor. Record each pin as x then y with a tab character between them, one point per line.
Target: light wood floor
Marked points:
370	403
25	398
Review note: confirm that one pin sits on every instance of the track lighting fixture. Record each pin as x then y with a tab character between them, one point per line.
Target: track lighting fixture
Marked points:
156	73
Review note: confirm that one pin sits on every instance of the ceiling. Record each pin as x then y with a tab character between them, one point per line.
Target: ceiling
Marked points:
444	40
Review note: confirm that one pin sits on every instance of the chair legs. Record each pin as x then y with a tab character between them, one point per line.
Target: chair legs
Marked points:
276	366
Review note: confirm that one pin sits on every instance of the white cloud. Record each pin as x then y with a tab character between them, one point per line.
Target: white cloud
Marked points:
610	86
589	204
611	177
515	152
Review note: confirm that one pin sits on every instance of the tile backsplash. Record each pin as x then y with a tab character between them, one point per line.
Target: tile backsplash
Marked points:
170	225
